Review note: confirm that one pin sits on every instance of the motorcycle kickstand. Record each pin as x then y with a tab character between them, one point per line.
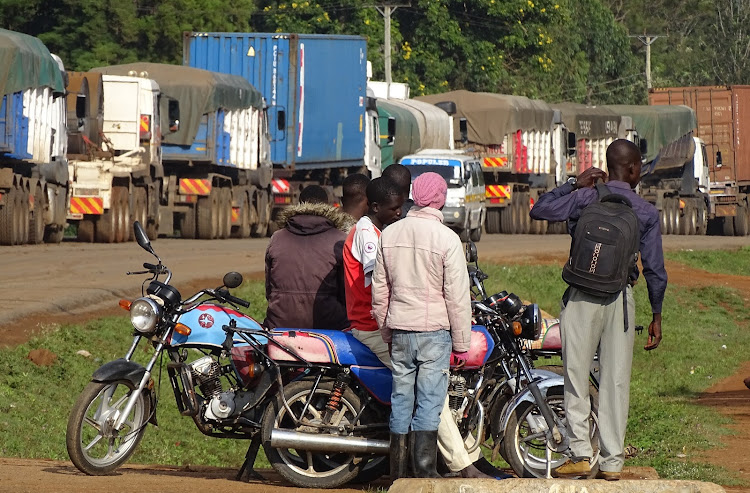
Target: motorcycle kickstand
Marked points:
246	472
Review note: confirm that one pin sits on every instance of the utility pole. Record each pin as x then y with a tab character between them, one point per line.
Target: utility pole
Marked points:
386	10
648	40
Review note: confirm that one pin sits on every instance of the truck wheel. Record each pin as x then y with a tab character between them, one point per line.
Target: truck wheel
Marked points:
727	225
110	224
139	211
689	222
187	225
476	234
243	228
701	214
664	217
506	220
6	218
208	215
492	221
740	221
85	231
225	217
523	213
36	221
263	207
23	216
676	216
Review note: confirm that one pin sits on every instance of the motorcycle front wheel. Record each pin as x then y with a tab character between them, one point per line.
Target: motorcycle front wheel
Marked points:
307	468
525	443
94	446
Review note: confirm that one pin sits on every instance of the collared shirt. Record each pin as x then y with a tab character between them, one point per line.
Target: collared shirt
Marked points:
564	203
360	251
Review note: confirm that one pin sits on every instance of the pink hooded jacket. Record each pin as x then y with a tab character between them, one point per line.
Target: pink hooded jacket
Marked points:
420	282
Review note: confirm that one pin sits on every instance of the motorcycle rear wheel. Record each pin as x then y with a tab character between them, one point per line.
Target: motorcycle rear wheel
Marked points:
306	468
94	446
526	451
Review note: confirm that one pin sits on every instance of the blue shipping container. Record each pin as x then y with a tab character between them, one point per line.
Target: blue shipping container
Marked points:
314	85
14	127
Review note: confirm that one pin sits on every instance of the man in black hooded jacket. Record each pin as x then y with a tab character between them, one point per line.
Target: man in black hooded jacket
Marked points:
304	265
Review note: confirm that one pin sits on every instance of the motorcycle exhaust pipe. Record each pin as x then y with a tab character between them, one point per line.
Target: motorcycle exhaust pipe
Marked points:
328	443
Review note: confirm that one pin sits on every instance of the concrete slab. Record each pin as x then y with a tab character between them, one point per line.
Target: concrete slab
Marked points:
551	486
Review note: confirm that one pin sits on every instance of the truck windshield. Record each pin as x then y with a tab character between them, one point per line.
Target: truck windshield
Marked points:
452	174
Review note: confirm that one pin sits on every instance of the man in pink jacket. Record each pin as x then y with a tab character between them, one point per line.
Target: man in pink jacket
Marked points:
420	299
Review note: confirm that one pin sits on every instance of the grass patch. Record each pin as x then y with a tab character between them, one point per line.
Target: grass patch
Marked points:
735	262
35	401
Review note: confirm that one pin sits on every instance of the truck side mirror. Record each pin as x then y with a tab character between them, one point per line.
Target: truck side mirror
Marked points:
391	129
467	173
643	146
372	104
719	162
281	119
572	143
463	127
174	115
447	106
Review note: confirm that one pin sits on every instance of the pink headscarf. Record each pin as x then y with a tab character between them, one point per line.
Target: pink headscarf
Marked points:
429	190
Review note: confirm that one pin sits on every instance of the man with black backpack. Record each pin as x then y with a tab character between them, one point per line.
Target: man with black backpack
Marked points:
610	225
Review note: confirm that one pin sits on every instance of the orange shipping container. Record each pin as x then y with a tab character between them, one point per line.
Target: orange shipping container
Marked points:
723	115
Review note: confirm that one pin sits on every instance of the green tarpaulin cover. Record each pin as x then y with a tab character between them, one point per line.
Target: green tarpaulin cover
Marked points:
26	63
659	125
589	122
198	91
490	117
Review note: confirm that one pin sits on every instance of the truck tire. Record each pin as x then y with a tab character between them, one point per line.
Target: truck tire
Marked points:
139	211
701	215
208	215
727	225
6	219
669	216
476	234
689	223
106	226
664	217
523	213
225	216
85	231
36	221
22	208
264	208
740	221
187	225
492	222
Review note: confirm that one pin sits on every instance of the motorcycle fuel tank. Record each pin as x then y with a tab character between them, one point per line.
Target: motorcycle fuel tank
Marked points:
206	322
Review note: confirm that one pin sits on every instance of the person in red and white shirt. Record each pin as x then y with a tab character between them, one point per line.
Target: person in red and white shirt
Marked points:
360	249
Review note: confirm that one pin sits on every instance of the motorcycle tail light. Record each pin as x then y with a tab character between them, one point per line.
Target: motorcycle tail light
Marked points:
517	328
183	329
125	304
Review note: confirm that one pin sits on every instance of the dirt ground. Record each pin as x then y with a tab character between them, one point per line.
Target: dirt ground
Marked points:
72	282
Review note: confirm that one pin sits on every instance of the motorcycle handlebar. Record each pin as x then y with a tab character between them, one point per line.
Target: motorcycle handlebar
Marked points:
224	294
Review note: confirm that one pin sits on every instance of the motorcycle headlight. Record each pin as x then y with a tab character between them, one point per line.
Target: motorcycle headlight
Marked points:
144	313
531	322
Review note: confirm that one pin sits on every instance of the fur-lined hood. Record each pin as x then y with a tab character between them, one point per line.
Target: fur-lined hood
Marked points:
341	220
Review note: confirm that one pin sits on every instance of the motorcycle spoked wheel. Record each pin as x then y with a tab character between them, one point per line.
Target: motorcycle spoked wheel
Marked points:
306	468
526	450
94	446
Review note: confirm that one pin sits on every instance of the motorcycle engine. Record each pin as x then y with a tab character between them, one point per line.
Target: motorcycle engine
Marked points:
220	406
456	396
207	374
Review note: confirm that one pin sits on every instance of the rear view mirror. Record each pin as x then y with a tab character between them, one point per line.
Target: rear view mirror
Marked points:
643	146
232	279
174	115
463	127
447	106
467	173
281	120
572	143
142	238
471	252
719	162
391	129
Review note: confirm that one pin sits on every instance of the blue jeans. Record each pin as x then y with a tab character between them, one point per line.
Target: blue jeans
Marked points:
421	362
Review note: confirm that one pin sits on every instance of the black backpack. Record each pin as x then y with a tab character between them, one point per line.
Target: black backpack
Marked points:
605	245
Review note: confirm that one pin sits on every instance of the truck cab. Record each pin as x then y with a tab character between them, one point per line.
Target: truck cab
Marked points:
465	208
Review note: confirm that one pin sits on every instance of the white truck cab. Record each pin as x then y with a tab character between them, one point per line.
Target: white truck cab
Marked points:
465	209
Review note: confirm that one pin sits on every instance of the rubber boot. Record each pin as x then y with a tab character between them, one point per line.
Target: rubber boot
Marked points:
399	456
423	454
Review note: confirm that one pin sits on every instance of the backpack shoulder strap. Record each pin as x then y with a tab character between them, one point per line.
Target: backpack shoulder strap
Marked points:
602	190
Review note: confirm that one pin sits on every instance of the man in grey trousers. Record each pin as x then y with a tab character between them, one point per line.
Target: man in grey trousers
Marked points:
588	321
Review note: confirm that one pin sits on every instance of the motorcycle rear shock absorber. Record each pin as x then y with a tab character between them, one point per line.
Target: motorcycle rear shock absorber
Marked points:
334	401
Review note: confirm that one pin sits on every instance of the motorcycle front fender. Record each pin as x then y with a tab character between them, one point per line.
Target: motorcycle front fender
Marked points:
547	383
122	369
119	369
